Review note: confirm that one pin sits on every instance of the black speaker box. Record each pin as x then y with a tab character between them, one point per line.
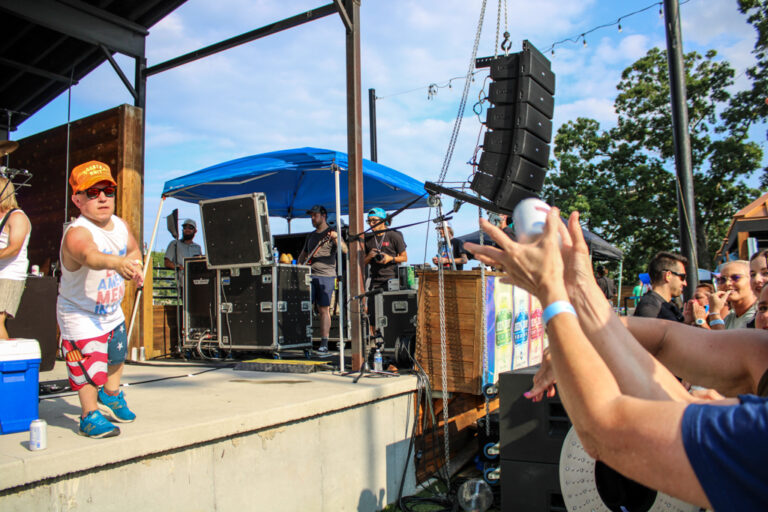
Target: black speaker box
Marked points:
201	304
530	62
518	141
516	170
520	115
236	231
529	431
525	90
530	487
501	192
36	318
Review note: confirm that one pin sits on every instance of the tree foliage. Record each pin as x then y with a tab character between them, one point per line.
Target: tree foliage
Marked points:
623	180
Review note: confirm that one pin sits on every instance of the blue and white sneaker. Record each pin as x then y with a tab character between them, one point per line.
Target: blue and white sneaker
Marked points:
95	425
117	405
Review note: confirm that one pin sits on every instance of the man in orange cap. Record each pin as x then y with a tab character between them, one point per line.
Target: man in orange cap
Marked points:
98	253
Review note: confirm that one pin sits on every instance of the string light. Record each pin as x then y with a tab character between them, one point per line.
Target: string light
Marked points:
432	88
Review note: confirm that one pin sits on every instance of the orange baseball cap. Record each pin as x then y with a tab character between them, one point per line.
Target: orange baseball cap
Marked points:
88	174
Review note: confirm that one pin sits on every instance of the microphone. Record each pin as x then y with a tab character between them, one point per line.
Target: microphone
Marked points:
368	294
13	172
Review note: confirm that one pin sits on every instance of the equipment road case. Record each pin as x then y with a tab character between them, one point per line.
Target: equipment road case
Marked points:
266	308
395	314
201	303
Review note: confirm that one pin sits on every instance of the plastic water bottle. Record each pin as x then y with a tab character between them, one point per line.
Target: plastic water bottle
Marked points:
275	255
378	365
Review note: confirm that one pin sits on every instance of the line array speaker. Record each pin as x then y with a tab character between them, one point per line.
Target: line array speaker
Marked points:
515	155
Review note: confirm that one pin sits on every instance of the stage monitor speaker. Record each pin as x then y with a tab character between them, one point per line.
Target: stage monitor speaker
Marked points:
200	301
529	431
530	486
236	231
516	146
36	318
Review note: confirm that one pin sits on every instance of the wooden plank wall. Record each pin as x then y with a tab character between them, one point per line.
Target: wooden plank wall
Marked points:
114	137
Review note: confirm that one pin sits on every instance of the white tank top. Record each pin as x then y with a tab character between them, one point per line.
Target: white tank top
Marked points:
14	267
89	300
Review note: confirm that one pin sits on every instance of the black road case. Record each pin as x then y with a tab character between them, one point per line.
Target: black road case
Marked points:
201	303
236	231
395	315
266	308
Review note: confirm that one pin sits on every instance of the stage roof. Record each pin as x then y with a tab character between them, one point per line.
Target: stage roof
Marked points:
45	43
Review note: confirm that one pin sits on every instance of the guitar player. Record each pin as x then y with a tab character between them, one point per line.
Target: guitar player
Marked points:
319	252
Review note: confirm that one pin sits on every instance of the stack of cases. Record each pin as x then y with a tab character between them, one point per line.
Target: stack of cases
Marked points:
515	154
266	307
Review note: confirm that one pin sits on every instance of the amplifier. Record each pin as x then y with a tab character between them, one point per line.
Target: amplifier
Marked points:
266	307
395	314
236	231
201	302
36	318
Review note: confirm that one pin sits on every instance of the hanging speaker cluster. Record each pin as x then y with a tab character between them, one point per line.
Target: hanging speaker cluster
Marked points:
515	154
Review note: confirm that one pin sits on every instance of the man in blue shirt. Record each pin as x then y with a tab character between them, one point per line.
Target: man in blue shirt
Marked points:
629	411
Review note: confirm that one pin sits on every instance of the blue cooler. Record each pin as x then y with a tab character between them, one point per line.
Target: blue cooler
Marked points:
19	367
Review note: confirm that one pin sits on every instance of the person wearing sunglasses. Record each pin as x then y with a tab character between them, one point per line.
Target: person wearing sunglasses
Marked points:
98	254
667	272
179	250
734	287
14	238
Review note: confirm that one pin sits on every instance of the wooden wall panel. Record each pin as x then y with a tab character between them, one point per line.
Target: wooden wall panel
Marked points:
114	137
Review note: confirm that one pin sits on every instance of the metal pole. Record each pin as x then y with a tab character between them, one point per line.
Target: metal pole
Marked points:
339	253
683	165
372	123
618	295
355	169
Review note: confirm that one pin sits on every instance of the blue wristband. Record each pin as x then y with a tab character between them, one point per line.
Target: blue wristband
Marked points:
716	321
557	307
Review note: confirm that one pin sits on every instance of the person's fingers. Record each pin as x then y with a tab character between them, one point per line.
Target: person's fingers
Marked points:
577	234
498	236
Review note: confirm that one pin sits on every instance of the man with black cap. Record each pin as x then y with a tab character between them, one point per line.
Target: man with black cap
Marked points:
384	248
179	250
319	252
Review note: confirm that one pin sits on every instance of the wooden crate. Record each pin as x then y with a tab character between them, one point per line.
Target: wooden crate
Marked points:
463	322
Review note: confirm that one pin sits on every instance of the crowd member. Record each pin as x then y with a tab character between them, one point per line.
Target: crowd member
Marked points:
605	283
761	322
179	250
457	249
384	248
14	239
667	272
758	271
319	252
98	252
735	289
696	310
628	410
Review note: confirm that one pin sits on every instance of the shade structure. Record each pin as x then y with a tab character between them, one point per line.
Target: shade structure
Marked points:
598	248
296	179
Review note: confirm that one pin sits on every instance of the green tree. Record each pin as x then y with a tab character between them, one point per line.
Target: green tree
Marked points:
623	178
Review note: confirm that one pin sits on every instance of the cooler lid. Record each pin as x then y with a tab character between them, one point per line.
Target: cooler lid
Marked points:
17	349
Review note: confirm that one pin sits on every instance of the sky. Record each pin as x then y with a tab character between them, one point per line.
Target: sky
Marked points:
289	91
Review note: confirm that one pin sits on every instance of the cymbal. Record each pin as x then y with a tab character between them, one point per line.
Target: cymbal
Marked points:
8	146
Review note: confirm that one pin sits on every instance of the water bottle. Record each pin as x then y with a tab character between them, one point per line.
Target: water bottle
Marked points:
377	362
275	255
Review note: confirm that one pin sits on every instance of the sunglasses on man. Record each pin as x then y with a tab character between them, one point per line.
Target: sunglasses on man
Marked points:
678	274
93	192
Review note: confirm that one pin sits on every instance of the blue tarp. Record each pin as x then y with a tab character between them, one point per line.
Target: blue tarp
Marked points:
296	179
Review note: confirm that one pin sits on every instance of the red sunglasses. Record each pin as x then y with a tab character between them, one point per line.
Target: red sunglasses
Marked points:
93	192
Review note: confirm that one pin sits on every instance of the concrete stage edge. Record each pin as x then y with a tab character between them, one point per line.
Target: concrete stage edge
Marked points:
221	440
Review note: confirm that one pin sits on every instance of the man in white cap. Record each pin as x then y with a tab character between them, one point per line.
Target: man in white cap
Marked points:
179	250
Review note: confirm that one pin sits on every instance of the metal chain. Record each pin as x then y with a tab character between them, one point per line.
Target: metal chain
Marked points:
444	362
498	28
483	327
463	103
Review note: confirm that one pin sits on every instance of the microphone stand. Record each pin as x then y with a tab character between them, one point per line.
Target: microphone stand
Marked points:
365	367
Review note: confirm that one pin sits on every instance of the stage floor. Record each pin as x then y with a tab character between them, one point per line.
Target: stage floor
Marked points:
182	406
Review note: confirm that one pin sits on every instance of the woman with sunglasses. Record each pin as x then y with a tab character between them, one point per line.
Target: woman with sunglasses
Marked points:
733	286
98	254
14	239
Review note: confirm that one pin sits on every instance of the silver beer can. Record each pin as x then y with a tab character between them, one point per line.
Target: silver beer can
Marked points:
38	435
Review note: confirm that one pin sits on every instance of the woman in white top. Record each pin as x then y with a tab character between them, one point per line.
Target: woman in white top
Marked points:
13	253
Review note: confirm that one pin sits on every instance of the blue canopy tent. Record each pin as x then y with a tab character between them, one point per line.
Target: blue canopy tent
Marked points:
296	179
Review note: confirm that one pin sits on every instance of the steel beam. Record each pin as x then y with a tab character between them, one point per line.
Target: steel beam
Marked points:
82	21
264	31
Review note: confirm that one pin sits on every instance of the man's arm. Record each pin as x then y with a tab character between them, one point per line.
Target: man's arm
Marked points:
732	362
170	255
639	437
18	228
78	249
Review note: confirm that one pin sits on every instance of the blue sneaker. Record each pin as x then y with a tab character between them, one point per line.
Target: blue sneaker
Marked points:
117	405
95	425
